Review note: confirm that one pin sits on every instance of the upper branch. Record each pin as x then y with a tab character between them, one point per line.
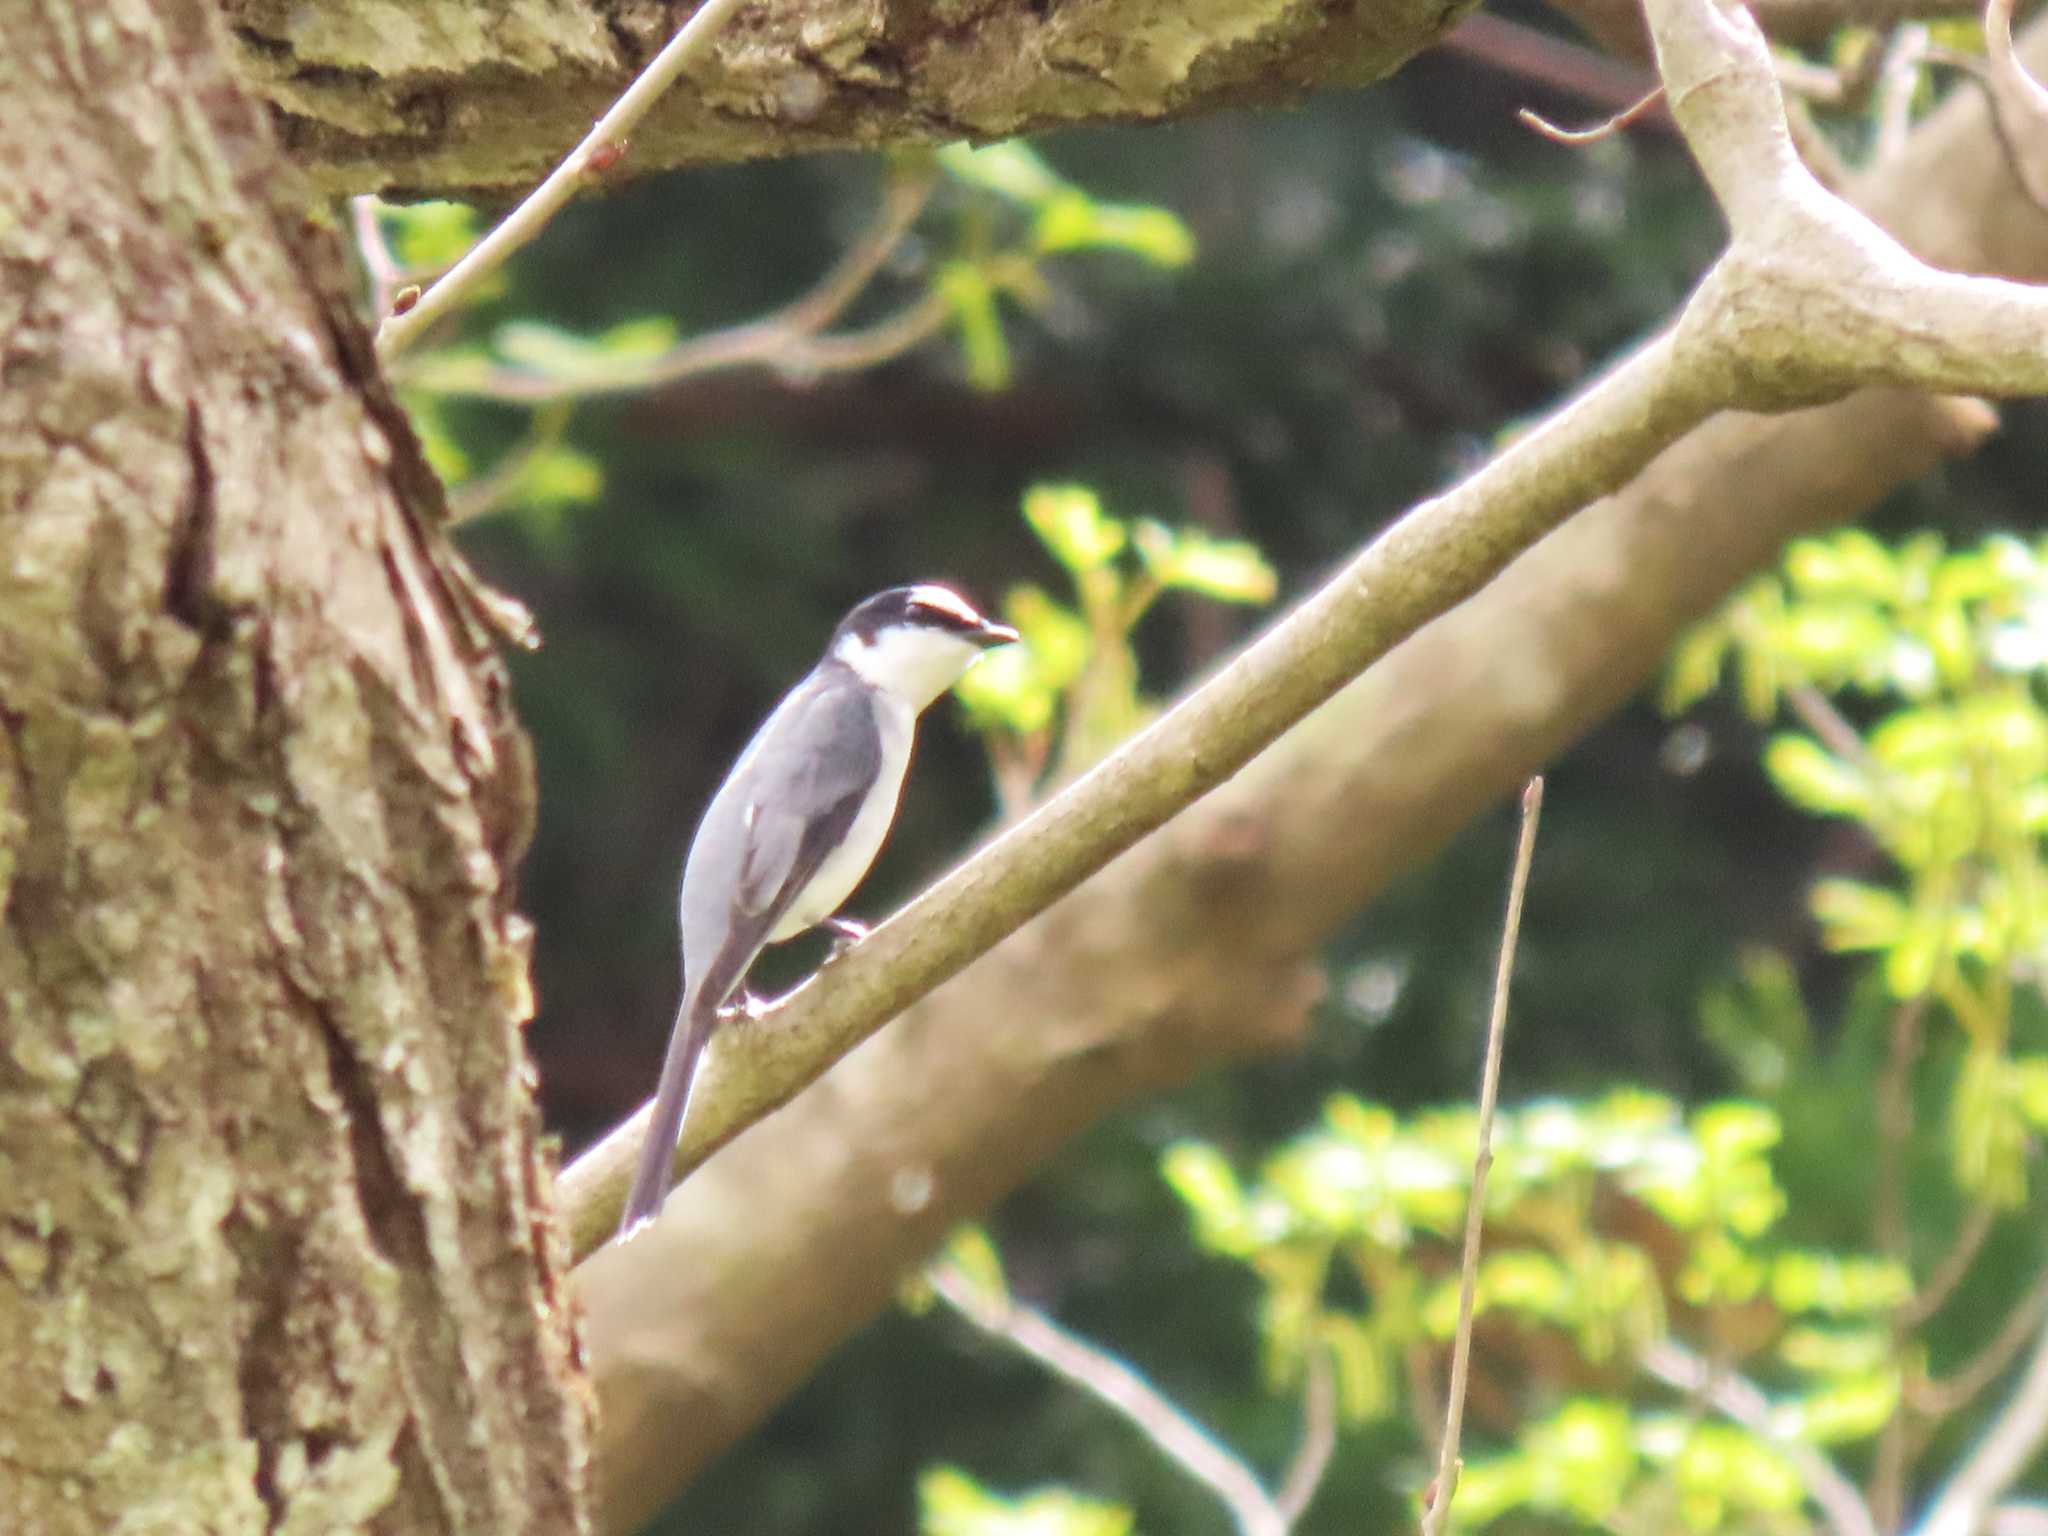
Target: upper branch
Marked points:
456	100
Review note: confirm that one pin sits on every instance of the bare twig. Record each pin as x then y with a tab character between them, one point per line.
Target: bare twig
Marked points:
2013	1439
1601	130
1318	1439
1898	82
1955	1264
1151	1412
1895	1124
1954	1392
2017	1519
1819	715
787	339
384	272
2019	104
1745	1404
546	200
1438	1512
483	495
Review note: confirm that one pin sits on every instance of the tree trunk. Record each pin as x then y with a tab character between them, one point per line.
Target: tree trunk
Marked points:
272	1199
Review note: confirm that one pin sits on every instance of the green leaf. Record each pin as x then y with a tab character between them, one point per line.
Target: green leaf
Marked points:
1853	1408
1815	779
444	451
972	1251
430	236
1988	1128
1857	916
1208	1186
1835	1351
559	476
1010	169
1229	570
1850	564
2030	1089
1835	1285
970	297
1070	521
952	1503
1695	667
1071	220
561	355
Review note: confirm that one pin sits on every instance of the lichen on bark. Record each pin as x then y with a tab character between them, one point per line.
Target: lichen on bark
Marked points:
274	1252
452	94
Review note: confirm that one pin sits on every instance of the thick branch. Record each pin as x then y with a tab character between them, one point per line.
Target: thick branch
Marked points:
458	98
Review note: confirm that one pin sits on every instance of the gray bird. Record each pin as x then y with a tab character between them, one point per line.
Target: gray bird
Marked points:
799	820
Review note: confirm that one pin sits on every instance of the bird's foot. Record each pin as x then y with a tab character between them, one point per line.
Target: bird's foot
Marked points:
746	1007
845	934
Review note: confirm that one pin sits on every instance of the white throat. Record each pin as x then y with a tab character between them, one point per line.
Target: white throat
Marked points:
912	664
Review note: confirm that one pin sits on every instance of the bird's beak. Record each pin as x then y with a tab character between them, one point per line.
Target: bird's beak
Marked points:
992	633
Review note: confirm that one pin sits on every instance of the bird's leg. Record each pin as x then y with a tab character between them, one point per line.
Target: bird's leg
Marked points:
745	1005
845	934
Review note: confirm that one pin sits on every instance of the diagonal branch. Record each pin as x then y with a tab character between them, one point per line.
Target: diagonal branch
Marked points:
1812	301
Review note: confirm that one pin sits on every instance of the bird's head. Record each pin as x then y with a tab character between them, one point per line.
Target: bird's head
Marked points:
914	642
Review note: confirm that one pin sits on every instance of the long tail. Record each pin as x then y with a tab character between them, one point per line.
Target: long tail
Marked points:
686	1042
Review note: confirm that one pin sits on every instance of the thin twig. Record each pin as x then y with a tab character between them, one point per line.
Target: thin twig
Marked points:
787	338
546	200
1898	83
1745	1404
483	495
1999	1456
384	272
1600	130
1152	1413
1318	1439
1894	1128
1434	1517
2017	1519
1818	713
1955	1264
1954	1392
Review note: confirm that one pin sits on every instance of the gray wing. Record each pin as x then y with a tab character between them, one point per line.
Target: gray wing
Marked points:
814	773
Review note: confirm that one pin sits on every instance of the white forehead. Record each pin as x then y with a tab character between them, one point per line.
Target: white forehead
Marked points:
944	601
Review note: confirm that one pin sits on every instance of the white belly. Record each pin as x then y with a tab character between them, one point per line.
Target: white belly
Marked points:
847	864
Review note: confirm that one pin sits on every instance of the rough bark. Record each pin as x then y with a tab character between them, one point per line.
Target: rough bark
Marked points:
464	95
274	1250
450	95
1196	946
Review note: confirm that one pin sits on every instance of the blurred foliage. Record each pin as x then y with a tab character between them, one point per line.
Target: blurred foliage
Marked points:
1949	780
1618	1225
1384	278
950	1503
1051	707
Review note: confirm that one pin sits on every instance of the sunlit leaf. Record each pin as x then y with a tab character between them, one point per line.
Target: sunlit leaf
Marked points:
1070	519
1230	570
1071	220
1208	1185
970	298
428	236
1011	169
1814	778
